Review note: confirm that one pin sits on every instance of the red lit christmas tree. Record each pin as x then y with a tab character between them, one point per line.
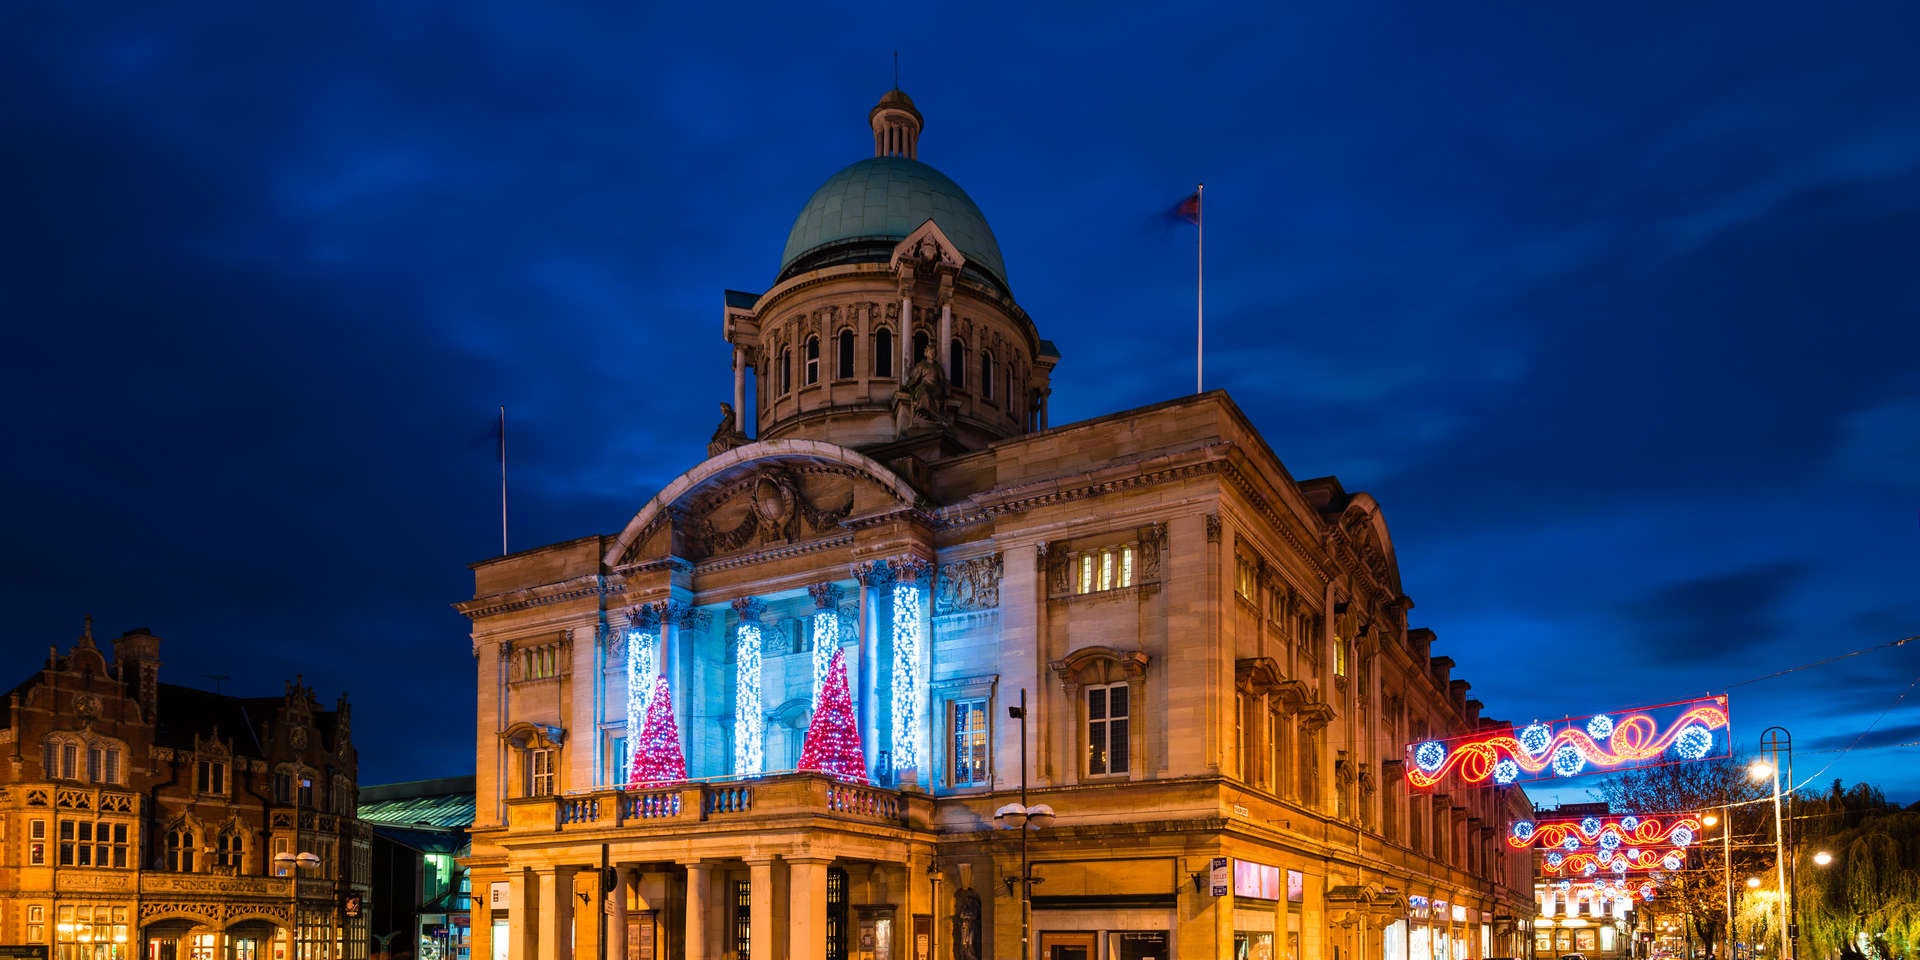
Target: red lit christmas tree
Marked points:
833	738
657	759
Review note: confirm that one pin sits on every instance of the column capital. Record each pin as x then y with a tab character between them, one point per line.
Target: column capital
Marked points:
911	569
873	573
749	609
826	596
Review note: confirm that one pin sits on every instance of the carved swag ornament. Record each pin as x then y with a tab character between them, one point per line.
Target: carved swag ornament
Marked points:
777	507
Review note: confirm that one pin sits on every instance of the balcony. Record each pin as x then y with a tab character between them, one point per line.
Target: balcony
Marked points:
762	802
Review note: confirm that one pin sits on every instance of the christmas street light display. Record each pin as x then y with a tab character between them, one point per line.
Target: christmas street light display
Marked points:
1646	737
1616	862
1596	833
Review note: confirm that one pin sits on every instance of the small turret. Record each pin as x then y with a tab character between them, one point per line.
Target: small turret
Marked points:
896	126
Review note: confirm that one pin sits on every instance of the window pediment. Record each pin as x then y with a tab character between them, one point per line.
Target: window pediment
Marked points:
1096	665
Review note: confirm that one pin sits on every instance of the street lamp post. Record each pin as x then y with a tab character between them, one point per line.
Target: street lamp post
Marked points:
1776	740
1021	817
1725	820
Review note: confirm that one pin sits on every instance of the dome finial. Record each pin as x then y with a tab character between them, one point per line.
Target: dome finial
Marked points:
896	125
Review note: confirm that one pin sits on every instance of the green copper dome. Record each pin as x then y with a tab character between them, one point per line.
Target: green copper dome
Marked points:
872	205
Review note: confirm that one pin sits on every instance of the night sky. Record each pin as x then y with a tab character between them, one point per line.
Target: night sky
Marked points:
1614	311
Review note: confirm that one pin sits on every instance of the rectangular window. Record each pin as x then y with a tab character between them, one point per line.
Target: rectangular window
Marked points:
619	762
283	788
37	842
69	761
1243	577
1086	574
111	769
540	773
210	776
306	792
1109	568
970	743
1106	569
742	919
93	764
1339	656
1107	715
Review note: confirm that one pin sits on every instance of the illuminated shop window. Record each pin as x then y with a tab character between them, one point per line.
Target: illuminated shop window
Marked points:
970	743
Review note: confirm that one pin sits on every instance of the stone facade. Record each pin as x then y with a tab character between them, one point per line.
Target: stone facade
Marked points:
1211	663
142	819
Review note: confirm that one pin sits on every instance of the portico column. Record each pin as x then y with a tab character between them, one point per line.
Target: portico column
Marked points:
760	907
807	909
739	389
908	684
749	714
556	913
873	576
523	930
617	921
699	880
826	632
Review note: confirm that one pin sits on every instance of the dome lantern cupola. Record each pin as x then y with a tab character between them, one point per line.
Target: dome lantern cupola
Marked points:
896	126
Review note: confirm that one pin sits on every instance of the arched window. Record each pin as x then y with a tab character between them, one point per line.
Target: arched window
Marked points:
957	364
919	347
786	369
813	360
843	367
883	352
180	844
230	850
986	374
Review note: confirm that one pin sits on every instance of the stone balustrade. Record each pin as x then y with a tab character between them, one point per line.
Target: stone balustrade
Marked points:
767	798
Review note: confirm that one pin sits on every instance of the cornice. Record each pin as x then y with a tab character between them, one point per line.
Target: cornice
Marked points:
591	585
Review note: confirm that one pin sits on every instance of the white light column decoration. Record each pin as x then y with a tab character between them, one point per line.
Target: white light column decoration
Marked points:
749	715
826	633
641	671
910	664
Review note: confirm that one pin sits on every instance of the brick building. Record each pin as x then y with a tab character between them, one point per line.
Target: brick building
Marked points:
1211	660
147	820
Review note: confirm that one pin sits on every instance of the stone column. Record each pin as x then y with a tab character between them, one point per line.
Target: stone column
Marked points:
749	713
912	638
807	909
523	923
556	913
760	907
617	920
826	632
699	883
873	576
906	335
739	390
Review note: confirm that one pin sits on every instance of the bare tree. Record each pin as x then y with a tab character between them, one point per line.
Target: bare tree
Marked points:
1698	894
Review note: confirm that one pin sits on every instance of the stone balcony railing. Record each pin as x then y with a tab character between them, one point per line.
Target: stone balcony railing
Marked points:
760	800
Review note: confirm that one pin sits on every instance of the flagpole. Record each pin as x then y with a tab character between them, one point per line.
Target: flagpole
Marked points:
1200	289
503	479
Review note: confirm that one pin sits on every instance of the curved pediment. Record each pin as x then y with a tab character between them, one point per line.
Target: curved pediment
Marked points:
1365	533
759	494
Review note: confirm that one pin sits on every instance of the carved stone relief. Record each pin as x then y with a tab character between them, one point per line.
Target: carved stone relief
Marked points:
972	584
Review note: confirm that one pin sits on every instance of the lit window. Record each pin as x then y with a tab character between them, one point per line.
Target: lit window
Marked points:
843	366
1109	568
1243	577
883	352
1106	569
1339	657
813	360
970	743
1107	729
1086	574
540	773
37	842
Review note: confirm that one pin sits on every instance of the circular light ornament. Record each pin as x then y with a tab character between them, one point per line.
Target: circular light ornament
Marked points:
1535	739
1590	870
1620	866
1570	843
1609	841
1430	756
1600	727
1523	830
1646	891
1590	826
1633	853
1564	884
1505	771
1568	761
1682	836
1693	742
1672	860
1629	823
1556	858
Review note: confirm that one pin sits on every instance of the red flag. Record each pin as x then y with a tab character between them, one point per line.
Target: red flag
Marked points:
1189	209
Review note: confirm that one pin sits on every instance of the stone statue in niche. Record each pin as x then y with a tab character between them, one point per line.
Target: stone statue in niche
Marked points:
728	434
922	397
966	924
